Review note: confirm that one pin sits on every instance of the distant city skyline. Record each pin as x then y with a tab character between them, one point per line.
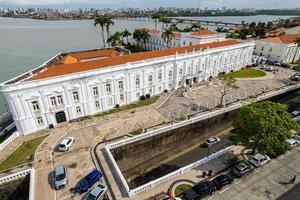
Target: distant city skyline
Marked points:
266	4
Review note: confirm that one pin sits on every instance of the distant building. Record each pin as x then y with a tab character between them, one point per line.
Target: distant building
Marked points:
78	84
279	49
156	42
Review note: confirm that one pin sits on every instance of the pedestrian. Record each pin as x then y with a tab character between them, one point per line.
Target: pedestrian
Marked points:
292	180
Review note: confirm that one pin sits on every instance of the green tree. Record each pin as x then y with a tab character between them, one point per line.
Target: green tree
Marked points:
108	22
165	21
116	39
168	35
126	34
156	16
141	35
264	126
137	35
227	82
145	36
180	21
100	20
195	26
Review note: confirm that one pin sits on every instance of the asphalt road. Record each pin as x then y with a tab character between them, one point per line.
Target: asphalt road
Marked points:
199	153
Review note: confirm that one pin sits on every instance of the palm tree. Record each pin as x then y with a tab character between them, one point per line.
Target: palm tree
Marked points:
168	35
145	36
100	20
156	16
108	23
195	26
164	20
116	39
137	35
180	21
126	34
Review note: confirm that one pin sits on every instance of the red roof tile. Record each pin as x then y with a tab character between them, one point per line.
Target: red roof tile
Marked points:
286	39
63	69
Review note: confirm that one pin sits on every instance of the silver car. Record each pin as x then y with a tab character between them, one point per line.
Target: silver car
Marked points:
259	160
97	193
60	177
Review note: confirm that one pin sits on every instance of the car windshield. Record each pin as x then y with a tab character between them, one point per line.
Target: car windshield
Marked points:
240	168
255	159
85	181
60	177
91	197
101	186
62	146
200	188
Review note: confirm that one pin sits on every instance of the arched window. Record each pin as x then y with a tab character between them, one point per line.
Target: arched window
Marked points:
170	74
159	76
150	80
137	82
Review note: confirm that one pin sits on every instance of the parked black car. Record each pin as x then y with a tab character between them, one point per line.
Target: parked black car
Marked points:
223	179
242	169
199	190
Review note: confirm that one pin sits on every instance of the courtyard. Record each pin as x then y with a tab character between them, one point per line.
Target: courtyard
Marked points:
201	98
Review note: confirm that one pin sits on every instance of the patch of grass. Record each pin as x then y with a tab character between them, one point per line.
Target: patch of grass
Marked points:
247	73
297	68
180	189
137	104
136	132
24	154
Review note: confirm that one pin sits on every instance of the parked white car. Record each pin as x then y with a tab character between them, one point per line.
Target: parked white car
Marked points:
259	160
292	142
211	141
66	144
97	193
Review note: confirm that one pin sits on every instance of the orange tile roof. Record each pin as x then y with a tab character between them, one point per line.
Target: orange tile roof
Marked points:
203	32
63	69
152	31
95	54
286	39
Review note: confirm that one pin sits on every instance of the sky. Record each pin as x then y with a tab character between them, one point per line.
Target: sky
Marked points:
152	3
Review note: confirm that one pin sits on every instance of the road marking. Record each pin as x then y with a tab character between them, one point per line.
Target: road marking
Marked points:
209	198
224	190
236	182
67	197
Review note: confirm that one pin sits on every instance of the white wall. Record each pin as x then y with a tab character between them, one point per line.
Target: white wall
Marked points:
199	65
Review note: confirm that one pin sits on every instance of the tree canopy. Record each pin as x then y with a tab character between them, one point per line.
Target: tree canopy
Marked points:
264	126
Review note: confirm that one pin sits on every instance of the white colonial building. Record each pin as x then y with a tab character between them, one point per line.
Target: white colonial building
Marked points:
281	49
156	42
77	84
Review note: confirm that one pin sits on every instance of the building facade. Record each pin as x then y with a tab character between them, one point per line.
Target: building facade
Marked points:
156	42
78	84
282	49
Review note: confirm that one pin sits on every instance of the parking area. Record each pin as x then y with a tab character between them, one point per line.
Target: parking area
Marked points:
77	161
267	182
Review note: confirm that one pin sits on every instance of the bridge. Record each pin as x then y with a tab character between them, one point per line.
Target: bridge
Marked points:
186	21
208	22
